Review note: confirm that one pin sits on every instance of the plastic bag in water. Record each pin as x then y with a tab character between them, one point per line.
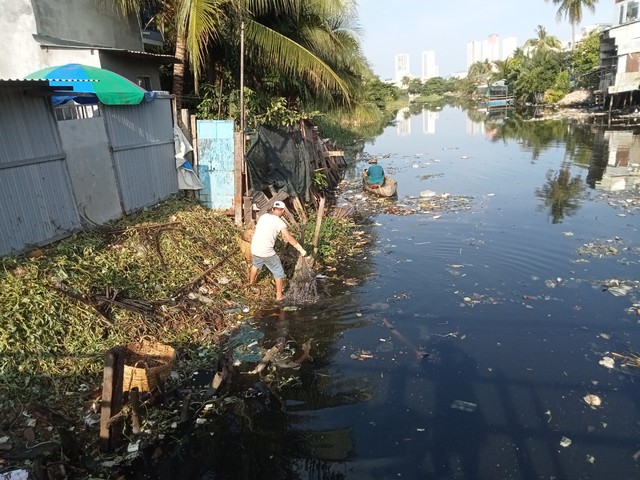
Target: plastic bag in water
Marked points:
464	406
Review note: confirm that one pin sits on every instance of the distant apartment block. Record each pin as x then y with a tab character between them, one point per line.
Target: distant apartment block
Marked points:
474	52
509	45
429	67
491	48
401	67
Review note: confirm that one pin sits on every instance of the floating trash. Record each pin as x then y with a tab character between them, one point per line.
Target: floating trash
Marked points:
592	400
591	459
361	355
565	442
607	362
464	406
629	360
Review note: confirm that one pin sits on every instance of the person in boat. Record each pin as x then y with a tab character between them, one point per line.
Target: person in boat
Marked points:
374	175
262	253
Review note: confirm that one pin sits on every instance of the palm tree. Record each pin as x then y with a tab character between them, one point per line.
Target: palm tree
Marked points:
572	10
480	72
543	42
311	46
199	24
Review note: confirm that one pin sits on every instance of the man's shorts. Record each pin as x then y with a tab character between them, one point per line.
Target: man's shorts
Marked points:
273	263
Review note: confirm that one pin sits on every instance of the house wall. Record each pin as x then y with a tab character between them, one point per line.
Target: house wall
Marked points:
130	69
86	21
94	22
91	169
17	24
627	41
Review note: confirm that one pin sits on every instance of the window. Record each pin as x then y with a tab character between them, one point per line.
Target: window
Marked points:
74	111
144	81
632	11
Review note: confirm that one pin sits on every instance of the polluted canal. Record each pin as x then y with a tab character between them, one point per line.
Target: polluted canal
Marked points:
488	331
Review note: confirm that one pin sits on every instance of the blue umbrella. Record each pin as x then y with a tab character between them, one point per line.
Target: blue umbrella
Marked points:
90	84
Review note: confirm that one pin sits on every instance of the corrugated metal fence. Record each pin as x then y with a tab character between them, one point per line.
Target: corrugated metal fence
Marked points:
141	138
36	200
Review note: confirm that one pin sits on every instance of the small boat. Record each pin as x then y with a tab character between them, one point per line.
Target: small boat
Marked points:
388	189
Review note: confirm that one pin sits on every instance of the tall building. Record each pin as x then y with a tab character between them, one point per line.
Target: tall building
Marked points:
429	67
401	67
474	52
491	48
509	46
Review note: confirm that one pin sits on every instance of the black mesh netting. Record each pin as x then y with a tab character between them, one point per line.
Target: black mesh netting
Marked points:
280	160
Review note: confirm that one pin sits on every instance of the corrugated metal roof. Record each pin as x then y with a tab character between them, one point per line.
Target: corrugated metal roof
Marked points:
23	82
33	86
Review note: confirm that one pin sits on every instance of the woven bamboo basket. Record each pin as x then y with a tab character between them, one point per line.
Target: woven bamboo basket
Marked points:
244	242
147	364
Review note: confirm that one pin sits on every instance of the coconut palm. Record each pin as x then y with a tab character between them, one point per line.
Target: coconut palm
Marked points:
199	24
543	42
308	48
572	11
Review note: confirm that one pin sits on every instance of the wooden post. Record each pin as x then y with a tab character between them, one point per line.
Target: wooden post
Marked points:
238	167
111	398
134	401
297	204
248	211
184	411
316	234
194	141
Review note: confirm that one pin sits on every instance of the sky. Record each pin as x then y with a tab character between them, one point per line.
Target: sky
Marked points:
413	26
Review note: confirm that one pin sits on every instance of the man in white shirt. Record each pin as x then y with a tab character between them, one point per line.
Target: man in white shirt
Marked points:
267	229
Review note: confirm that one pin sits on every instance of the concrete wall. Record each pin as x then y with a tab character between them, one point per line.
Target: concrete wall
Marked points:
94	22
86	21
17	24
91	169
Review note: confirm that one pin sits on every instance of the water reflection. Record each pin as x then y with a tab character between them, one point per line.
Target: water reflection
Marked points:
622	171
562	194
519	366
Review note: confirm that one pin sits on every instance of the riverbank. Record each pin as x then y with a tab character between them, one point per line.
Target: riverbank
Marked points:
174	273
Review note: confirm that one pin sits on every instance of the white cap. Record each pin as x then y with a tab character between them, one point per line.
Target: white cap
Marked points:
279	204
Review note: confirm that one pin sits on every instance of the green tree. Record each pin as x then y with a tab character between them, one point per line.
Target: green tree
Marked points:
435	86
200	24
586	61
572	10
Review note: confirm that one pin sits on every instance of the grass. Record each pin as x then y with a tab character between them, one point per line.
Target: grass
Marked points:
64	306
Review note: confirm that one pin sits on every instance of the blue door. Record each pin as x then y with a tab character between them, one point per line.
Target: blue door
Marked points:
215	162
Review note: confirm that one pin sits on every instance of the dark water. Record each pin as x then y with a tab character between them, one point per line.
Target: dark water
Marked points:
467	347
